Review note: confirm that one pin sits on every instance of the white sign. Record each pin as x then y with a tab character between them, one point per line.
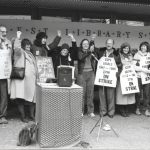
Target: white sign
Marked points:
144	62
106	72
128	80
5	64
45	68
120	33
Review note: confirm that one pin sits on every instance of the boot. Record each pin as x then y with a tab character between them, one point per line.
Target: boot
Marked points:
147	113
32	111
138	111
126	111
22	113
122	111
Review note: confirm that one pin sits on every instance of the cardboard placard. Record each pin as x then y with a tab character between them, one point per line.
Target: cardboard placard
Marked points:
144	62
5	64
45	68
128	80
106	72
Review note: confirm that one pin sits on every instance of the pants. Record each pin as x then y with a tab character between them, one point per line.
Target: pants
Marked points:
107	100
3	97
86	80
146	96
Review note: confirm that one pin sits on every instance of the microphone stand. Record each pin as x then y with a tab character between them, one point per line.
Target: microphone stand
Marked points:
100	120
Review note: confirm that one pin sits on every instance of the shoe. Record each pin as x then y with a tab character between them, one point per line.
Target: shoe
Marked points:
82	114
3	120
123	114
24	120
106	127
127	114
147	113
110	116
138	111
91	115
31	118
104	115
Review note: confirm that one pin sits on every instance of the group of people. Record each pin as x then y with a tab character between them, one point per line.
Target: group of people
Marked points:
24	54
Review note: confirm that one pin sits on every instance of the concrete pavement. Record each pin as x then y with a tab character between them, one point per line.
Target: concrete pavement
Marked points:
133	131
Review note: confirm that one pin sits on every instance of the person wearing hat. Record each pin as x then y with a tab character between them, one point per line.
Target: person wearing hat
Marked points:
64	55
40	46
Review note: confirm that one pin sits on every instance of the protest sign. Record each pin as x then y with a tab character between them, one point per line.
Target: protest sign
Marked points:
5	64
144	62
45	68
128	80
106	72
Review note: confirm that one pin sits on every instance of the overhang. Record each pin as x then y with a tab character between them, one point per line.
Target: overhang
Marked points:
136	8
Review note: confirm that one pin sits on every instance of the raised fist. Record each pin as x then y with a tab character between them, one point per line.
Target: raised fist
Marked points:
93	36
19	34
58	32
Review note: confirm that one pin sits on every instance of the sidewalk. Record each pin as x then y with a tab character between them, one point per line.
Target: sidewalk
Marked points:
133	131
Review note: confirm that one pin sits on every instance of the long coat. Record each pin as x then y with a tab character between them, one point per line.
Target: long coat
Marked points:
128	98
26	88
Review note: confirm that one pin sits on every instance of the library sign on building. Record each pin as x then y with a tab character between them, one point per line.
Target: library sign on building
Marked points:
120	33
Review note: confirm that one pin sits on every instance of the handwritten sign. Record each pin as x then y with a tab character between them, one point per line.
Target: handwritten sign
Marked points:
128	80
144	62
106	72
45	68
5	64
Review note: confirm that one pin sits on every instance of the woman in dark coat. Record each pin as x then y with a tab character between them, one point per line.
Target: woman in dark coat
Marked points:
40	46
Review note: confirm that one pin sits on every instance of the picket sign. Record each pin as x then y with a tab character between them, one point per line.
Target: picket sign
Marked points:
106	72
144	62
5	64
45	68
128	80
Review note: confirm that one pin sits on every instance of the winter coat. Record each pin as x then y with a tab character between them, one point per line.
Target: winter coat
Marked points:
127	98
42	50
137	58
26	88
82	58
58	59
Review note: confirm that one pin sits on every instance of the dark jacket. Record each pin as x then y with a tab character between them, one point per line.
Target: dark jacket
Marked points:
81	60
41	50
58	59
102	52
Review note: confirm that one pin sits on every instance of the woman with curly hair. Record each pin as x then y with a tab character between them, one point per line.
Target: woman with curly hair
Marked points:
23	91
144	51
123	101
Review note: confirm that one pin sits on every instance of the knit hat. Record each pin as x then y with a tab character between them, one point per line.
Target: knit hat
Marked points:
65	46
41	35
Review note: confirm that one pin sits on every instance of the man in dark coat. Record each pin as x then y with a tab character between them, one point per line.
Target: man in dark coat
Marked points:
107	94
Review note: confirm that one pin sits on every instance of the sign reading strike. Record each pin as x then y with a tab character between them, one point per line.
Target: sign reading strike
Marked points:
5	63
144	62
45	68
106	72
128	80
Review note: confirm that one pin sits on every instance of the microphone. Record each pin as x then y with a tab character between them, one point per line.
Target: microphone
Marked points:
94	56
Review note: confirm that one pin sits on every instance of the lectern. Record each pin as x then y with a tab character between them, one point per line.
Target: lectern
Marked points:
58	114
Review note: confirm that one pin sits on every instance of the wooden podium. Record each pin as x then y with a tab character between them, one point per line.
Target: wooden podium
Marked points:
58	114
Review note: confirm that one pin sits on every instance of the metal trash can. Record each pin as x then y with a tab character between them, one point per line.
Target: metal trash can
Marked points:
58	114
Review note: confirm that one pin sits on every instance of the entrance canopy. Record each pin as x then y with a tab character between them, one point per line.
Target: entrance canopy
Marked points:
127	9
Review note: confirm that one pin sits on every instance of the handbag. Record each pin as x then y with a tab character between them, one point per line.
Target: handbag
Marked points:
18	72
